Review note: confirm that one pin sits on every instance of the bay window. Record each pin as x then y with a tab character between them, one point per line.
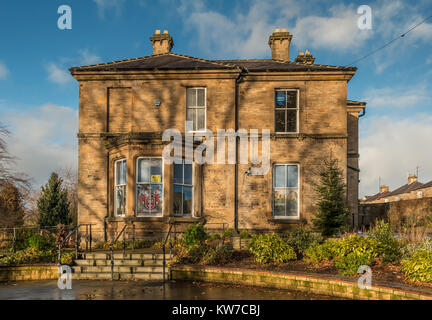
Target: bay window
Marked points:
120	187
149	184
183	189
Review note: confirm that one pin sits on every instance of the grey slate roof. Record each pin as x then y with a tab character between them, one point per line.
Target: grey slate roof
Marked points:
173	61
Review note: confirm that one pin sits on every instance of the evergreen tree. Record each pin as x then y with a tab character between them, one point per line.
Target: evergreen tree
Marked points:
332	210
53	204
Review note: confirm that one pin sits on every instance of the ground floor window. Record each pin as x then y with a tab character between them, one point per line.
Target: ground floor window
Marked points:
286	190
149	197
120	187
183	189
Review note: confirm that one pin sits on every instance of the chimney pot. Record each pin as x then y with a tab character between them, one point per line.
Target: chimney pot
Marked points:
165	31
279	43
157	32
384	188
412	178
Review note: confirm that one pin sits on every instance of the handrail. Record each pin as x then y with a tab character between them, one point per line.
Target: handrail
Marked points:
122	232
88	240
163	250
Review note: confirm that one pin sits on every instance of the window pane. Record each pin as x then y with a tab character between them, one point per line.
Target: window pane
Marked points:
191	116
123	176
187	200
178	173
292	176
201	97
177	205
117	173
200	119
280	98
143	170
280	121
187	173
120	200
291	99
191	97
292	203
279	202
149	198
291	120
279	176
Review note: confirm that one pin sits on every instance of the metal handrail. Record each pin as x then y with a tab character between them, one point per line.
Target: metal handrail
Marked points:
88	240
122	232
163	250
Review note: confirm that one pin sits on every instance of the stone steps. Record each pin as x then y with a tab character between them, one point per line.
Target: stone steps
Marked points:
131	266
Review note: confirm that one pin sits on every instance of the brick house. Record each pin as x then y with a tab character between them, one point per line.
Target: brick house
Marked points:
125	106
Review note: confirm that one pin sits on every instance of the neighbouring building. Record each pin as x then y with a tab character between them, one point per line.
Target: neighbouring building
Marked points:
412	190
125	107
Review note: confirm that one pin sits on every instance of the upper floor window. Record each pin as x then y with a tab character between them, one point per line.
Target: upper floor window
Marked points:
286	110
183	189
149	197
196	108
286	191
120	187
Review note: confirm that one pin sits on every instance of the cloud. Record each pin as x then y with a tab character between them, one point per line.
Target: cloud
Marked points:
104	5
43	139
88	58
398	97
58	74
4	71
392	149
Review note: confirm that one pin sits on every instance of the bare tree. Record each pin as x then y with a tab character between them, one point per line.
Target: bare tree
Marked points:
70	182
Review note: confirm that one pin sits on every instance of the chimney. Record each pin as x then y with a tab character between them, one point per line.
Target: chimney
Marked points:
279	43
384	188
412	178
162	43
305	57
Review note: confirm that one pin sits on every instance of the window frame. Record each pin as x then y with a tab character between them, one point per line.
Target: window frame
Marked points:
197	108
141	183
297	217
286	111
120	185
185	185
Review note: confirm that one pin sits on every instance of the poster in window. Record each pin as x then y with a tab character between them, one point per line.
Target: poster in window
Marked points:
150	198
280	98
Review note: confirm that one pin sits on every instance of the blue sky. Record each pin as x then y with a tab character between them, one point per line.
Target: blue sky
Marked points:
39	99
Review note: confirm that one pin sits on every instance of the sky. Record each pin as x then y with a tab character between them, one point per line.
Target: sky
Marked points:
39	98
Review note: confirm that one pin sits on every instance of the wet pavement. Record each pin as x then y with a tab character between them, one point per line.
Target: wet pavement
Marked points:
141	290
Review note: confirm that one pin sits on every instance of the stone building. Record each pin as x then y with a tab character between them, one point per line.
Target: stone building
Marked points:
126	106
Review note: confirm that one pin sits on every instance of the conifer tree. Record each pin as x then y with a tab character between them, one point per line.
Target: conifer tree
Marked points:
332	210
53	204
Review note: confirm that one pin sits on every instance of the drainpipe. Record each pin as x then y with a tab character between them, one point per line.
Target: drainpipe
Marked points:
107	198
363	113
236	175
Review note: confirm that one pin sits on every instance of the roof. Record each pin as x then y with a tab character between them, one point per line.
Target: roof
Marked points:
426	185
406	188
377	196
173	61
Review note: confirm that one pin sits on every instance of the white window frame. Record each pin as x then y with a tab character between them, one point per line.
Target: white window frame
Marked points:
116	184
185	185
198	107
297	217
286	111
140	183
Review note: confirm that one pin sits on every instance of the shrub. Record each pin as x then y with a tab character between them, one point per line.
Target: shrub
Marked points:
194	234
388	246
30	256
40	242
219	255
244	234
301	239
348	265
418	267
67	258
317	253
410	248
271	248
228	233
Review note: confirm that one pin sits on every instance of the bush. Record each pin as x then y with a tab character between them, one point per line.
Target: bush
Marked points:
348	265
317	253
228	233
67	258
244	234
30	256
40	242
219	255
411	248
301	239
194	234
418	267
388	246
271	248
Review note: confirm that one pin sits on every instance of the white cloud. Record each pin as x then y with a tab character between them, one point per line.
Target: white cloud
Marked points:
4	71
392	149
58	74
43	139
104	5
398	97
88	58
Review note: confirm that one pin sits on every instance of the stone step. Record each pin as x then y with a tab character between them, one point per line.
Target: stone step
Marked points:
121	269
135	262
119	276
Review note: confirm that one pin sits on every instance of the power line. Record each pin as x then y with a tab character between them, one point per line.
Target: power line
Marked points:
390	42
